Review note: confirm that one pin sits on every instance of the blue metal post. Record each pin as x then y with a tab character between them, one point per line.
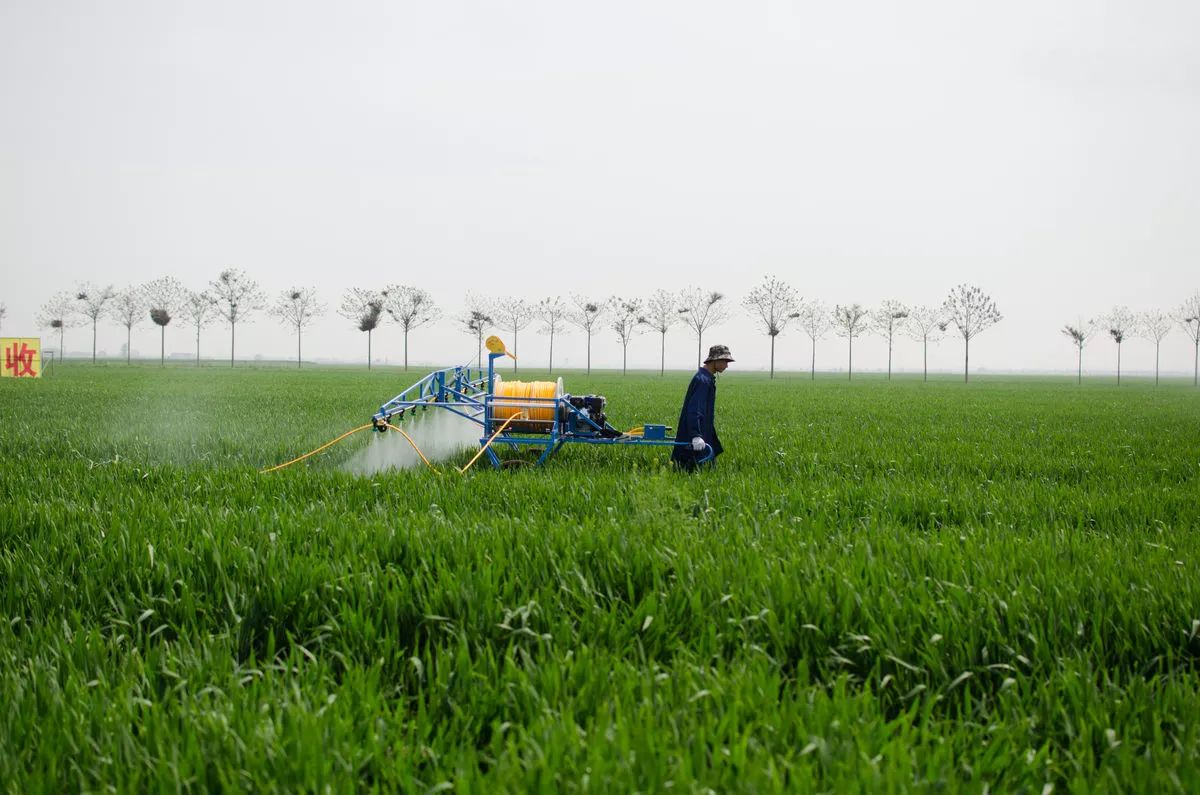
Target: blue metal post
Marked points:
488	411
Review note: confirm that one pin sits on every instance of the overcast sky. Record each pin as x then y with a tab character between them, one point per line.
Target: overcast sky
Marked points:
1047	152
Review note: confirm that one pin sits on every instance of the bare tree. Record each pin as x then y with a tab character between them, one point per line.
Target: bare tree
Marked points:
553	314
925	324
1155	325
774	303
364	308
197	308
410	308
128	308
164	298
58	315
887	320
475	320
1188	318
850	322
587	316
1080	334
513	314
1120	323
816	321
236	298
662	312
627	314
298	307
972	312
701	311
92	304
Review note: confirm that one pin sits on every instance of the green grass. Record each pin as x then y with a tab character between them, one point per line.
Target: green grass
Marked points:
882	586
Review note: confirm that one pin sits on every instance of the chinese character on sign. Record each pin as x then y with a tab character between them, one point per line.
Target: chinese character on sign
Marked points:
22	357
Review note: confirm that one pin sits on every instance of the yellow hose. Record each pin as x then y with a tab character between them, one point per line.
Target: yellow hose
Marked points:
483	449
414	446
314	452
343	436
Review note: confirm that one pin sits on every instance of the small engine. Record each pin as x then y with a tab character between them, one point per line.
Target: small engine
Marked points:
592	404
593	407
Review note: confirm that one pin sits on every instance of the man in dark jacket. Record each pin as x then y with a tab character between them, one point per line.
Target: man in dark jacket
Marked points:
696	419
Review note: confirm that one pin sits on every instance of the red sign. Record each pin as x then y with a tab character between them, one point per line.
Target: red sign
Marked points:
22	358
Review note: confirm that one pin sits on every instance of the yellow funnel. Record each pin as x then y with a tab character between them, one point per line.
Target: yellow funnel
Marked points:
496	345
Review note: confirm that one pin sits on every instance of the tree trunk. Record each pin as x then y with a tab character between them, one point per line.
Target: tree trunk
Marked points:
889	357
966	360
62	354
232	336
298	333
197	345
406	350
1157	345
624	357
925	363
162	346
1079	372
850	362
589	353
662	362
128	338
369	348
93	340
772	355
1118	364
699	355
551	369
813	374
514	358
1196	364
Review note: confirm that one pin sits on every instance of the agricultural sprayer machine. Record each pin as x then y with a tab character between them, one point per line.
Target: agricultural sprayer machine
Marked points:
517	414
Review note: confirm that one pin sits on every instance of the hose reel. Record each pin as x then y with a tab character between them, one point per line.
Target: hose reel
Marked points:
536	400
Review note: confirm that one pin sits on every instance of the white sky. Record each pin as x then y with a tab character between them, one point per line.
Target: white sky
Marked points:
1048	152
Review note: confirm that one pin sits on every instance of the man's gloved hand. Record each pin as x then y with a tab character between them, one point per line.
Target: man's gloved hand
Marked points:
698	444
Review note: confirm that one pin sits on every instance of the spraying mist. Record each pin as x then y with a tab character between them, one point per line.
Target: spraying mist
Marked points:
439	433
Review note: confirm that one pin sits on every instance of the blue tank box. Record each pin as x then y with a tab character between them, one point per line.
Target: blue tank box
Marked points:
654	432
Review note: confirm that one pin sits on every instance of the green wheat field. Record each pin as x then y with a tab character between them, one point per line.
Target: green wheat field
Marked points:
882	586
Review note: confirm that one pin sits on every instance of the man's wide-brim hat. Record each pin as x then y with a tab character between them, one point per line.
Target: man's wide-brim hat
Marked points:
719	353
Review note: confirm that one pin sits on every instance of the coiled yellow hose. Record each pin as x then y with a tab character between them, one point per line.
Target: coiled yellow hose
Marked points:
513	400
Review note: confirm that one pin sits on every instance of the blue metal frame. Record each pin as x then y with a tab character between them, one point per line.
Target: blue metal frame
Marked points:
470	393
460	390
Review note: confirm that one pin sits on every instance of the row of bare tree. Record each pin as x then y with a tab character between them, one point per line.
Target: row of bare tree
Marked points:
1154	325
234	297
967	309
